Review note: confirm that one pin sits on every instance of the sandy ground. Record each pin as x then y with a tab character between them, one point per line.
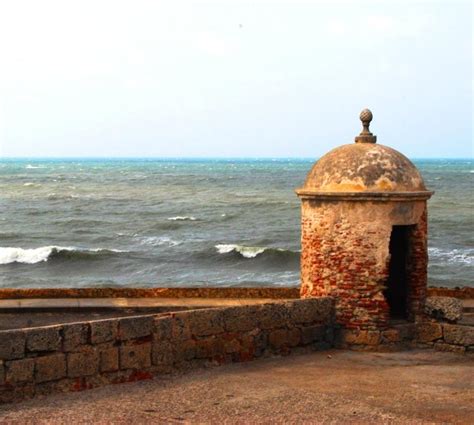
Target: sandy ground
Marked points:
414	387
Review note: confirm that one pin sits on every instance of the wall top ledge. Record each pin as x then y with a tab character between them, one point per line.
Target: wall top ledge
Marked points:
364	196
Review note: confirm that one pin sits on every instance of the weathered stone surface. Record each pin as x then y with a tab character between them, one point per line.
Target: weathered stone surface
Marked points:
12	345
273	316
82	364
162	353
19	371
184	350
135	356
391	335
103	331
109	359
17	392
2	372
43	339
458	334
317	310
206	322
294	337
50	367
135	327
232	345
358	337
162	328
428	331
444	308
310	334
441	346
209	347
407	330
180	330
74	335
278	338
241	318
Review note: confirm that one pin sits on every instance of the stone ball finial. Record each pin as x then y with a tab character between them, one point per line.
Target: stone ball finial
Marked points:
366	136
366	116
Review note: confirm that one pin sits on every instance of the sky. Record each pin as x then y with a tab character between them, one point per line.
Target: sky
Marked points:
233	78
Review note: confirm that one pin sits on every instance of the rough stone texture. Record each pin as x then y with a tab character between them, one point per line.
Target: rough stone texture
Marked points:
206	322
82	364
310	334
74	336
162	353
391	335
307	312
162	328
345	255
50	367
19	371
2	373
241	319
441	346
428	332
135	327
103	331
135	356
348	337
444	308
109	359
43	339
273	316
12	345
459	335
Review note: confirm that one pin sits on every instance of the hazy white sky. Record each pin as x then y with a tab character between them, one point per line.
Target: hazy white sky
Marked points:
248	78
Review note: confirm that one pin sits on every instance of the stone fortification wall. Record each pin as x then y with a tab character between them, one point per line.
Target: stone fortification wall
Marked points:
445	336
78	356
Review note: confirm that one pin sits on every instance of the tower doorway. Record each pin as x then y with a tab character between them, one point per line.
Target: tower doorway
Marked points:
396	292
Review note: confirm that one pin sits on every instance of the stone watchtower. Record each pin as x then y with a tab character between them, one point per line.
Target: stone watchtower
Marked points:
364	233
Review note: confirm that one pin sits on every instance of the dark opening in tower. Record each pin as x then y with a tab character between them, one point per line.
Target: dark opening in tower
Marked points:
396	292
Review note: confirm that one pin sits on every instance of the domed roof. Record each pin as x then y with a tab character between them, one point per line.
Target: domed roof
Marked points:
364	168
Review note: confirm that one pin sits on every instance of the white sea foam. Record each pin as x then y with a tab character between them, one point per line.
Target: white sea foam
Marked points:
10	255
31	184
245	251
33	167
459	256
158	241
182	218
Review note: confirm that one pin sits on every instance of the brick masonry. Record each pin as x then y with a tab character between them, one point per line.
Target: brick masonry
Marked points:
79	356
345	255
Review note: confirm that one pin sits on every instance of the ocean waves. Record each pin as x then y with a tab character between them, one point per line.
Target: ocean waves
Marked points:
452	256
254	251
9	255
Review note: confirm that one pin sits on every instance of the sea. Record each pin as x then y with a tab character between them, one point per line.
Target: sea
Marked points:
189	222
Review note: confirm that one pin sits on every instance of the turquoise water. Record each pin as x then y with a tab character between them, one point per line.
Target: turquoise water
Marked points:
164	222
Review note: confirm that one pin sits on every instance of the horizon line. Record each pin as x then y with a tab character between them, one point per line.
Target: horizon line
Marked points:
35	158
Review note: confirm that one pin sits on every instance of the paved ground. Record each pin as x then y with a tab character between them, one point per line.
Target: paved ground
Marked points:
417	387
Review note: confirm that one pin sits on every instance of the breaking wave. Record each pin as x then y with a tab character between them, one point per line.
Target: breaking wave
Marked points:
158	241
254	251
182	218
457	256
45	253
